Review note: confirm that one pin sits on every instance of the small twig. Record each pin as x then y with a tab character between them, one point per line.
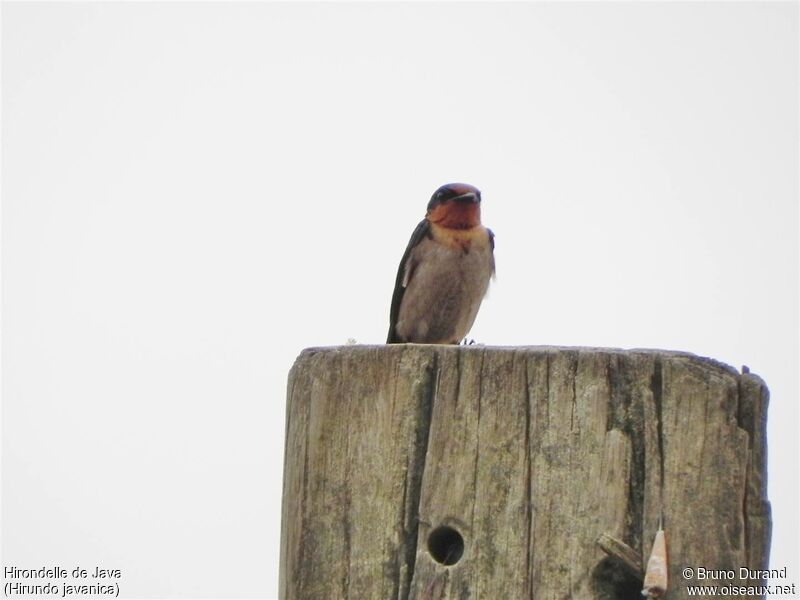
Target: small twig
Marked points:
626	555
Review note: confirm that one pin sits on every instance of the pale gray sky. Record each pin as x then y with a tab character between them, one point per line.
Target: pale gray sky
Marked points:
193	193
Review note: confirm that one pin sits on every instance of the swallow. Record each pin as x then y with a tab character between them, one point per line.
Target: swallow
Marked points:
445	271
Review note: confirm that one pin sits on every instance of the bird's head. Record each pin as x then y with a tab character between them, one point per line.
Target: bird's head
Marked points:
455	206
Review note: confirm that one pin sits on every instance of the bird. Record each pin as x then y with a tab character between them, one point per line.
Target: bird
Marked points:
445	271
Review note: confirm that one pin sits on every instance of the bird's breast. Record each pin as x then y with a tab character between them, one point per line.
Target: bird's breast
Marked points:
447	278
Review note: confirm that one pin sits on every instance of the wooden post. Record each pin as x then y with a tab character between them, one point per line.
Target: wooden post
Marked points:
423	472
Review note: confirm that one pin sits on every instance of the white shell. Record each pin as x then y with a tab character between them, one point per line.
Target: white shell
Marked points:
655	577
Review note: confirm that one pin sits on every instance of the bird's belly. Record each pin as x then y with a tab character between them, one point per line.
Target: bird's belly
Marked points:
444	294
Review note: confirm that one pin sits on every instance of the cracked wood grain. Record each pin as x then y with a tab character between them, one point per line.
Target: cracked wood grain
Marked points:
532	454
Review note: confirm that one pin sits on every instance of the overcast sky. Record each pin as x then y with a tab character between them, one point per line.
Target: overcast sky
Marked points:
193	193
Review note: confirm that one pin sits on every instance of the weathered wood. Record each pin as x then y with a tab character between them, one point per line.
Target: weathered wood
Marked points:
553	465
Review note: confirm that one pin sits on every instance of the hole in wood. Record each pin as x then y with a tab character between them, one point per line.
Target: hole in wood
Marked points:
613	580
446	545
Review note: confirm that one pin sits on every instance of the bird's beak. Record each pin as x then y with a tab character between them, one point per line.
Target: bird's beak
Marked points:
469	197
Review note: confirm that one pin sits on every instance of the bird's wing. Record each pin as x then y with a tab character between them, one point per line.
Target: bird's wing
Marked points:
491	245
404	272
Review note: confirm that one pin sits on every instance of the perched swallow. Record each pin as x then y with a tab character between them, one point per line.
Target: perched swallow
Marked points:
445	271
